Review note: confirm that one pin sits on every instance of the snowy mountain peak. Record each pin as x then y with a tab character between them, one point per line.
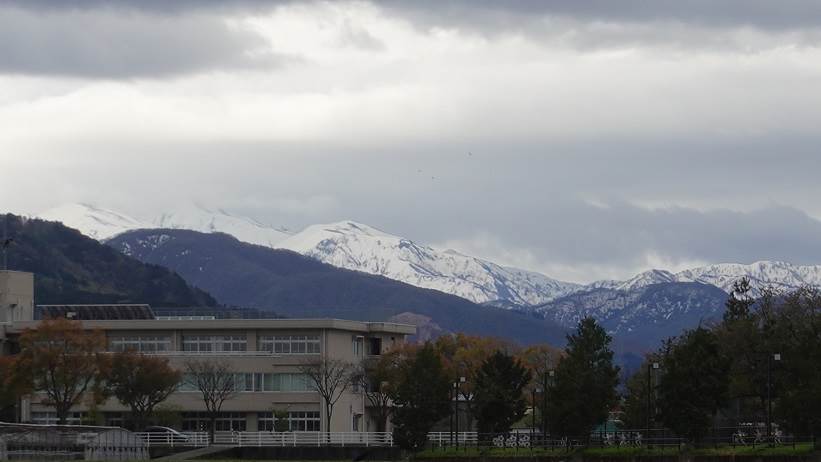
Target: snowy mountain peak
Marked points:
653	276
201	219
352	245
775	274
96	222
102	224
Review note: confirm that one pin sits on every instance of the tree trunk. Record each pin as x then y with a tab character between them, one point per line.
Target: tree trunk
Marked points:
62	415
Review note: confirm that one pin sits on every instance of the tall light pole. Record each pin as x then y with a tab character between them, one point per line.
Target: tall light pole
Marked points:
536	391
770	358
544	405
650	368
456	388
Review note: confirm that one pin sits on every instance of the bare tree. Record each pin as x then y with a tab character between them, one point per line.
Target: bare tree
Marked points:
331	378
215	381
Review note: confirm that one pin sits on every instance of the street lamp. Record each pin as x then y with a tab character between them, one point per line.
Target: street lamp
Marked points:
533	414
456	390
544	404
770	358
650	369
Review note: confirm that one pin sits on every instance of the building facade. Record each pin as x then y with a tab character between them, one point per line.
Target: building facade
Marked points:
265	356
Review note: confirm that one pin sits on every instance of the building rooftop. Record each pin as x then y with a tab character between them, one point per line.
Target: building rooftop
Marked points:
235	324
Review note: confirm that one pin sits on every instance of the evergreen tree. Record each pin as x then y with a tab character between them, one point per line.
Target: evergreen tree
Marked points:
797	377
638	389
741	301
584	390
422	399
499	398
693	384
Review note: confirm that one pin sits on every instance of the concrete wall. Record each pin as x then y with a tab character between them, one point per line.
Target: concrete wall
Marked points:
16	296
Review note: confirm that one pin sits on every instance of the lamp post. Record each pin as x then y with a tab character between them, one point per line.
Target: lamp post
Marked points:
456	390
533	414
770	358
544	404
650	368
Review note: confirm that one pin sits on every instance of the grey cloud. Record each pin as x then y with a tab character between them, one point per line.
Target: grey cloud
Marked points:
721	13
528	200
111	45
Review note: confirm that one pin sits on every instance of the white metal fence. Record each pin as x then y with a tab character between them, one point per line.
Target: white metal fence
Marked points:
304	439
192	439
439	439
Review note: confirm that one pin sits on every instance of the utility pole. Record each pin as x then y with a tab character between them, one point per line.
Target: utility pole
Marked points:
770	358
650	368
456	388
544	405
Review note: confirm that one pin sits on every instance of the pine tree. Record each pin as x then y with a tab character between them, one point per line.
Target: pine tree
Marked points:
499	398
741	301
422	399
584	390
693	384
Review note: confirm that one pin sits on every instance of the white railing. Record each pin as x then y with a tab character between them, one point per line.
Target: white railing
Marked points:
304	439
448	438
192	439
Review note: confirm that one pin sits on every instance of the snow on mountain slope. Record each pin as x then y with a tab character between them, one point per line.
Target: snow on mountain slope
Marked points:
775	274
779	275
209	221
360	247
102	224
95	222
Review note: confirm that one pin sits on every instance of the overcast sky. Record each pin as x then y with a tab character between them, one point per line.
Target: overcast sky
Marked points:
584	139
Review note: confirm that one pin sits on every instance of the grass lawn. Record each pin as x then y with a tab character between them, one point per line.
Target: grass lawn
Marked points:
786	450
472	452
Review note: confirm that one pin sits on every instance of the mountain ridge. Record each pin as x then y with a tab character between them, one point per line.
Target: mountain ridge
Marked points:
293	284
360	247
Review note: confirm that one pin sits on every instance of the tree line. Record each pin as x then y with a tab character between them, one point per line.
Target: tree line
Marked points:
758	363
761	364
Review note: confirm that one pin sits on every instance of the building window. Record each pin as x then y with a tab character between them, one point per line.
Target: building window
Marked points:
141	343
357	344
375	346
298	421
214	343
258	382
226	421
50	418
290	344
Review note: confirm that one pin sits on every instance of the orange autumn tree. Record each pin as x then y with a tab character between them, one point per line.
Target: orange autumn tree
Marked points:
142	382
12	385
64	362
382	377
539	359
462	356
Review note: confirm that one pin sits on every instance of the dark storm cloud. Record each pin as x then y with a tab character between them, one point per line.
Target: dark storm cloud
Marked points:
764	14
106	44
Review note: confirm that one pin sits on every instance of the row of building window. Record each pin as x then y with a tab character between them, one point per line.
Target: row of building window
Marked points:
258	381
278	344
298	421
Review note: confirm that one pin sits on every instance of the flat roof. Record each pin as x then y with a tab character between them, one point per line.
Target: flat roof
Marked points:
237	324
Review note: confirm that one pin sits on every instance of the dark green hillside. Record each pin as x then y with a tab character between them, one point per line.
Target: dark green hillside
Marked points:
297	286
72	268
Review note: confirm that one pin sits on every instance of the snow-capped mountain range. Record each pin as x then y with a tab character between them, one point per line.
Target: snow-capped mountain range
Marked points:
103	224
363	248
360	247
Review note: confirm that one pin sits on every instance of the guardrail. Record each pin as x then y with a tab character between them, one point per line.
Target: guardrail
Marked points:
189	439
242	439
452	438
